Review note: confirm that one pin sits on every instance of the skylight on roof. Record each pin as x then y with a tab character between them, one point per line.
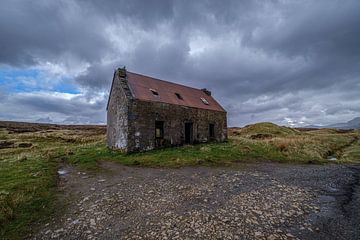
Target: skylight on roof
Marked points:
204	101
179	96
154	92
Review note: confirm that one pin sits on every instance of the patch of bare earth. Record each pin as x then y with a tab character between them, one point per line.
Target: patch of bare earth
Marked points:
246	201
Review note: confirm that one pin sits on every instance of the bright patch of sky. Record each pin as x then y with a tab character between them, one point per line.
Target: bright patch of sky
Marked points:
29	80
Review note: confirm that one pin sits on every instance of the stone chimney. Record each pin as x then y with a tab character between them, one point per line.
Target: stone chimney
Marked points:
122	72
207	92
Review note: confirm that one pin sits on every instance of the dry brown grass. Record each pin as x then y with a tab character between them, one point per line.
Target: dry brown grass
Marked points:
294	144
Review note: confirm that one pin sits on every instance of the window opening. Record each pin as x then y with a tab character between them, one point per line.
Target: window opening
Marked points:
179	96
154	92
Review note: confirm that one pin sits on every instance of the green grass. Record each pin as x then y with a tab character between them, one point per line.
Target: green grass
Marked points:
202	154
284	145
28	175
26	193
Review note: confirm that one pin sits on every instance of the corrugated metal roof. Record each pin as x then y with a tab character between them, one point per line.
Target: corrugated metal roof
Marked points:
143	88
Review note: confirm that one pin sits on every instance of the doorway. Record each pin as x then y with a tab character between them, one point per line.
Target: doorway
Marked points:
188	133
211	131
159	129
159	133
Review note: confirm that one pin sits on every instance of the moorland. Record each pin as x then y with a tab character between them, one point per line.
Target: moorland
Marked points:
31	154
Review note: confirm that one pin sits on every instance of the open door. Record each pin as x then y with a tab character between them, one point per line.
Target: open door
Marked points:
159	133
188	133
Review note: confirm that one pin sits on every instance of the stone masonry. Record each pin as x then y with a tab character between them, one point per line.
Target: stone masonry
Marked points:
131	121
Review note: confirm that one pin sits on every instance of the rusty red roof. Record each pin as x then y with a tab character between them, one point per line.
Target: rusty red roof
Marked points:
151	89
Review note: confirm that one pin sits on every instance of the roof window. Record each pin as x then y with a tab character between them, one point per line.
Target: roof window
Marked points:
154	92
179	96
204	101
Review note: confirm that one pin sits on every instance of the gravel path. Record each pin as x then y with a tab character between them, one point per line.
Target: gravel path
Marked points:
245	201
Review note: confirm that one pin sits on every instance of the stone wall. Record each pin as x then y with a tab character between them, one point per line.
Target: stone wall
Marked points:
131	122
117	113
142	117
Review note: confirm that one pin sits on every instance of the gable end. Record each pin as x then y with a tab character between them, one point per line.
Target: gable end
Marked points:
120	75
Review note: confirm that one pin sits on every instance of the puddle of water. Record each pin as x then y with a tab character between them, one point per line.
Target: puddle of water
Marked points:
62	172
331	158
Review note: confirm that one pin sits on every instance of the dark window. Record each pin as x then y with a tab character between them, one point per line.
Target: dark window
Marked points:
179	96
211	130
154	92
159	129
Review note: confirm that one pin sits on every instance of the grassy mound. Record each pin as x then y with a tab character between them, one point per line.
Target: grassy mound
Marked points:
266	129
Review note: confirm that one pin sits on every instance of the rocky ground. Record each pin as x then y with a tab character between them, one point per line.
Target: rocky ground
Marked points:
245	201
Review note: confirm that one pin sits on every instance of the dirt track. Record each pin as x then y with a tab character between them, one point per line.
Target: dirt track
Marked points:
246	201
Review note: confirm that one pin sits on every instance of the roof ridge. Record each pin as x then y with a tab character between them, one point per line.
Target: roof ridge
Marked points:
165	81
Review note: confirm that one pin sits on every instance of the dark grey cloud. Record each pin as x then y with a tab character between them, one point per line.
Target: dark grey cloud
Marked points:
98	76
145	15
44	30
282	61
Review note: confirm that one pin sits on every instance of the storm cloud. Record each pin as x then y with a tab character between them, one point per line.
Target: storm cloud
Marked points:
289	62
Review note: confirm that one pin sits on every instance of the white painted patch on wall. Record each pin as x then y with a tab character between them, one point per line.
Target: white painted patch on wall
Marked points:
149	148
120	144
121	140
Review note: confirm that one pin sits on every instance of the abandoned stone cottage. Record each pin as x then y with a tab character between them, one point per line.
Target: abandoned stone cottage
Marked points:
145	113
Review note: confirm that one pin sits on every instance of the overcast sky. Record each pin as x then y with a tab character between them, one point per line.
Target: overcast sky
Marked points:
288	62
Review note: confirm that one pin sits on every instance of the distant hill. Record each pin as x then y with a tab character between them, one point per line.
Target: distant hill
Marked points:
21	127
44	120
352	124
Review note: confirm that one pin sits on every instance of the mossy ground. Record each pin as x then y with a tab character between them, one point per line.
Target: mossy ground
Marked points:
28	174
